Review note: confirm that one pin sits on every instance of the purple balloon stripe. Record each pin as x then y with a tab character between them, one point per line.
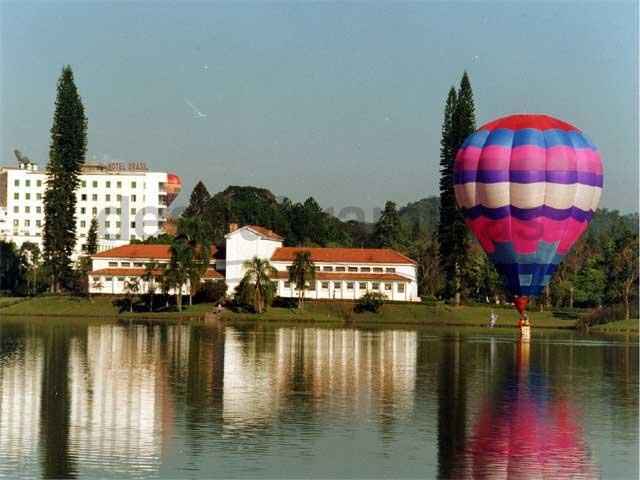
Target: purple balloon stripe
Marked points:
528	213
566	177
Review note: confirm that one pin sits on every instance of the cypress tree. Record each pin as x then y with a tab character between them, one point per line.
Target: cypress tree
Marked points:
92	237
459	123
388	232
198	201
66	157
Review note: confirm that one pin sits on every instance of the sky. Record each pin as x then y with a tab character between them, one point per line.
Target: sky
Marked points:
339	101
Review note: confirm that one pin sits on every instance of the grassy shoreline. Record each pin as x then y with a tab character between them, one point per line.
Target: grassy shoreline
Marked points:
319	313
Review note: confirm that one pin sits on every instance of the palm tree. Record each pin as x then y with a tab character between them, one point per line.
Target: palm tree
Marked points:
179	267
196	233
132	287
149	277
302	273
258	273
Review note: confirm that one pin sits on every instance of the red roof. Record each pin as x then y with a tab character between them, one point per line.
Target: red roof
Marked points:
343	255
140	250
520	121
356	277
137	272
265	232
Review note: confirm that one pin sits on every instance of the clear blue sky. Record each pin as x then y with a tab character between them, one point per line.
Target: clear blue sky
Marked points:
341	101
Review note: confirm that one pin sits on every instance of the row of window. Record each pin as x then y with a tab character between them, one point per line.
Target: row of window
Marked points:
83	223
27	183
328	268
107	197
27	196
26	223
27	209
351	286
83	184
83	210
135	264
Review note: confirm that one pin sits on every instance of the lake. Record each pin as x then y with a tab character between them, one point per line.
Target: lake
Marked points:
111	400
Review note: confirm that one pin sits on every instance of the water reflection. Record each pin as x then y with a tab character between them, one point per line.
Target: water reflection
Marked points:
109	400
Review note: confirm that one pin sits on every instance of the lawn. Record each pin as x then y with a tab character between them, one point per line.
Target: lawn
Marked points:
621	326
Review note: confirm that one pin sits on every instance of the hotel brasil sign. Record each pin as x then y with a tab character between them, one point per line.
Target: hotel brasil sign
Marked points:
127	167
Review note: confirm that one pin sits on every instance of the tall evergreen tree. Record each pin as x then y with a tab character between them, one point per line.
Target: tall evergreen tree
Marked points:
198	202
459	122
66	157
388	231
92	237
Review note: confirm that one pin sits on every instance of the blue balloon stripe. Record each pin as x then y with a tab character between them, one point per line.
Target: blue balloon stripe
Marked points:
545	254
505	137
528	213
565	177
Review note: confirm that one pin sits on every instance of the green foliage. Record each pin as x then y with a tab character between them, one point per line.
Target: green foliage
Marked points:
161	239
258	273
177	273
388	231
302	274
66	157
9	266
370	302
91	247
211	292
198	202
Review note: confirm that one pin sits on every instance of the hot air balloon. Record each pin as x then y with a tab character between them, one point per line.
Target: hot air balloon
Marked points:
528	186
173	187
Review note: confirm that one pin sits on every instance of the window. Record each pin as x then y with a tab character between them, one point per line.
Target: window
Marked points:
133	198
118	211
125	264
107	224
83	224
107	184
325	285
107	197
94	197
16	209
113	264
133	185
353	269
327	269
133	224
287	284
121	279
16	196
377	269
27	183
118	224
16	183
375	286
27	209
119	198
84	184
387	286
316	268
27	223
39	183
38	223
119	184
94	210
16	223
94	184
340	269
337	285
83	197
362	285
138	264
38	196
391	270
38	209
401	288
108	279
365	269
349	285
133	211
107	236
107	211
27	196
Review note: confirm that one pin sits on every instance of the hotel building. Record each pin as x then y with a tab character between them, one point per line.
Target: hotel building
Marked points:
341	273
128	201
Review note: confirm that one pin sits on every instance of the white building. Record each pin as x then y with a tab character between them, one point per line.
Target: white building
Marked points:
113	270
128	201
341	273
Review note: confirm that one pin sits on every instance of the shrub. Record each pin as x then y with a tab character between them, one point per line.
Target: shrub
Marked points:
211	291
370	302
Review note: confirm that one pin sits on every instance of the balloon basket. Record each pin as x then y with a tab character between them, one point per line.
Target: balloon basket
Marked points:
525	332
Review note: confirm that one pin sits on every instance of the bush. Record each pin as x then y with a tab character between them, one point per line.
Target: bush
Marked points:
370	302
211	292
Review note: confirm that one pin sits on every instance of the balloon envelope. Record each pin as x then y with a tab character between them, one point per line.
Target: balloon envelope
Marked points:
528	186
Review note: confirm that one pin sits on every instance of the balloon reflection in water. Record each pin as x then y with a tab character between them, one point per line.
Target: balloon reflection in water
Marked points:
528	432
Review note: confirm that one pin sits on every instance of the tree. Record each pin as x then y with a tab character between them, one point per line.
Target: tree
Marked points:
258	274
149	277
195	232
30	262
198	201
388	230
92	238
177	274
66	157
302	273
625	269
458	124
131	288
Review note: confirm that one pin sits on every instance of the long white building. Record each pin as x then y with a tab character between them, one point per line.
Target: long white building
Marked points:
128	201
341	273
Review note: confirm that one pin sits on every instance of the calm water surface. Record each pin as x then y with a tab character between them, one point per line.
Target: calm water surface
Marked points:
183	401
